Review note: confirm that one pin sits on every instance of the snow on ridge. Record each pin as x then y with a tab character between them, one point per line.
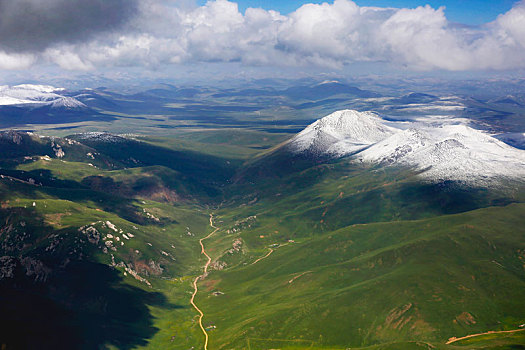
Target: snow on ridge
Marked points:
41	88
340	133
328	82
9	100
67	102
450	152
28	94
389	150
100	136
440	152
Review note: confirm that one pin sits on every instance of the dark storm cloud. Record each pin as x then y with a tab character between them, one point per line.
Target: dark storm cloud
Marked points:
33	25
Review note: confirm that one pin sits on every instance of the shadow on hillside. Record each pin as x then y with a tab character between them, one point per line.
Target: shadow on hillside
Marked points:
83	306
69	190
12	116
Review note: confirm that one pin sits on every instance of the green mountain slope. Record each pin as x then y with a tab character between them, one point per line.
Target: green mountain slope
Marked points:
423	280
91	252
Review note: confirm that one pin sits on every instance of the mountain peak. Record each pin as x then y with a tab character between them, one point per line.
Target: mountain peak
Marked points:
341	133
67	102
445	152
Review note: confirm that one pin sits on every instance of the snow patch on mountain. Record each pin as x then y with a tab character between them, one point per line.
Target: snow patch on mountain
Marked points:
341	133
41	88
100	136
36	95
449	152
67	102
396	147
439	152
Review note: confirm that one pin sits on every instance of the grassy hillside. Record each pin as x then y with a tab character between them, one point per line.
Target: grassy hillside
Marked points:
325	197
97	254
76	267
423	280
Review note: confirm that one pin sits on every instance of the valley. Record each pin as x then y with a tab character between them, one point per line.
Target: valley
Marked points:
204	275
176	218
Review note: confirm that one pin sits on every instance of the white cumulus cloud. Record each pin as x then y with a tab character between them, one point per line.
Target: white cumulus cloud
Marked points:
329	34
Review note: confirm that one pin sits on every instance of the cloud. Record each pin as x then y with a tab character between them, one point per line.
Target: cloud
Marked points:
67	60
422	39
321	35
16	61
29	25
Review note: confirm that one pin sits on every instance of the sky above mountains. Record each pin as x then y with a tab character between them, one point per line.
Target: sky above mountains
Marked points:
473	12
38	36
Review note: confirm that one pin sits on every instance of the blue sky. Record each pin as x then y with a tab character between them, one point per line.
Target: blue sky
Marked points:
461	11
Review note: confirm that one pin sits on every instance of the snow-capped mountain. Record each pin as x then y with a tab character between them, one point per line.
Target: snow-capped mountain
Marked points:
444	152
341	133
36	95
67	102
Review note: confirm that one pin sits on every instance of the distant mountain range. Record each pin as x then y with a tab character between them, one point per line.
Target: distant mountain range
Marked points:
36	95
42	104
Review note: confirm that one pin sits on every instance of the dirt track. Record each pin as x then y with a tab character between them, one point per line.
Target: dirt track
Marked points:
196	289
454	339
264	257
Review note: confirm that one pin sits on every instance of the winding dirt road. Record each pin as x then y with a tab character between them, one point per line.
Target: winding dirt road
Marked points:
196	289
267	255
454	339
264	257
